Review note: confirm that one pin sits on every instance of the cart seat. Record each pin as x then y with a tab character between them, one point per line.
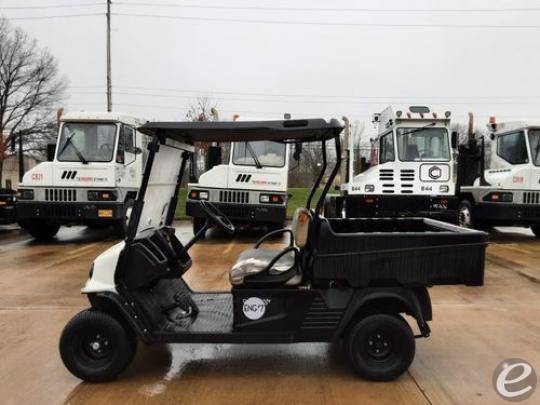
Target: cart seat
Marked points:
255	261
254	264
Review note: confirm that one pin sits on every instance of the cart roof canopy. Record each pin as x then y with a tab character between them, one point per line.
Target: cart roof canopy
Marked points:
302	130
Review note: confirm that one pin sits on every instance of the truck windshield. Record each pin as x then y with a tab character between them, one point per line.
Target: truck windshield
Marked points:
534	142
266	153
90	142
423	144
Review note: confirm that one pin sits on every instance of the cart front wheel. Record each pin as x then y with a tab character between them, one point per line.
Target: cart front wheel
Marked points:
95	347
381	347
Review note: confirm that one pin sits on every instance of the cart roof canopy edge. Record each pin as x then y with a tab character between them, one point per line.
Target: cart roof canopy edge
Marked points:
286	131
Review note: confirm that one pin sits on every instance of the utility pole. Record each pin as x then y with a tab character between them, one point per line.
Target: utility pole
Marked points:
109	86
21	157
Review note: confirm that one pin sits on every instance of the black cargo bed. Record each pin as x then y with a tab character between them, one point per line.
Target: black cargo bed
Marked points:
363	252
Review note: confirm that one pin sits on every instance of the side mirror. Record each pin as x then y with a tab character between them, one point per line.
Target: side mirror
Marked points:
297	151
454	140
51	149
137	150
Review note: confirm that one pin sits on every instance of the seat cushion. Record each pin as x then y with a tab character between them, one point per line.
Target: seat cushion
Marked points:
254	261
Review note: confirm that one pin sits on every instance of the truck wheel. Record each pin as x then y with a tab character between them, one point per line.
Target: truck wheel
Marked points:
40	230
198	224
381	347
536	230
121	227
95	347
274	226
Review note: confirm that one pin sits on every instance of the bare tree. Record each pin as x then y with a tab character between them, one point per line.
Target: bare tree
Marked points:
202	109
30	89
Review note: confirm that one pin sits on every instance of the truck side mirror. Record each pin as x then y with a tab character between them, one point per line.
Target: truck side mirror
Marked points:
137	150
297	151
454	140
51	149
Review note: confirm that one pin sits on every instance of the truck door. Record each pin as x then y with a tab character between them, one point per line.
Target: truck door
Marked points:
534	147
512	149
128	173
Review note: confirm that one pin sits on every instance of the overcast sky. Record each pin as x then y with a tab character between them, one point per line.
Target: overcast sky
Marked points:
310	58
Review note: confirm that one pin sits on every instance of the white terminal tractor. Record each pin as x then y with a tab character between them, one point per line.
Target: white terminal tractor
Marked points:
92	178
250	188
500	185
411	170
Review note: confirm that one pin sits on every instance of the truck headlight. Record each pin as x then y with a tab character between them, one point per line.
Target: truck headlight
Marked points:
101	195
370	188
26	194
499	197
271	199
199	195
444	188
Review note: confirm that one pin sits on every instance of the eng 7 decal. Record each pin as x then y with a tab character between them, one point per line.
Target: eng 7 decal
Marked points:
254	307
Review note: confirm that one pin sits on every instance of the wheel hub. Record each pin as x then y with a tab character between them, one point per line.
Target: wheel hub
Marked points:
465	217
379	346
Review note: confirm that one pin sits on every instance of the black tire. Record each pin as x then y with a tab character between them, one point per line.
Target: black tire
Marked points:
274	226
121	225
381	347
536	230
40	230
95	347
198	223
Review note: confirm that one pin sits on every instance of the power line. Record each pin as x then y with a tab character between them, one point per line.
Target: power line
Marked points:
326	9
381	100
328	24
54	16
50	6
211	92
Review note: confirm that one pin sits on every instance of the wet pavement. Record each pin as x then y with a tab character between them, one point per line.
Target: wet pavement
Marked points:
473	330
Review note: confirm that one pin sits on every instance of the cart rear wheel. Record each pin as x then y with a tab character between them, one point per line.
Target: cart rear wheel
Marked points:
381	347
96	347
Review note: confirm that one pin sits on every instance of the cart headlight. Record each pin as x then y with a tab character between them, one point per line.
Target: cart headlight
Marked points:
271	199
199	195
370	188
101	195
444	188
25	194
499	197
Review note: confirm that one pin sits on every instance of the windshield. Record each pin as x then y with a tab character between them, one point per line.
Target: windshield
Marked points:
423	144
534	142
264	152
91	142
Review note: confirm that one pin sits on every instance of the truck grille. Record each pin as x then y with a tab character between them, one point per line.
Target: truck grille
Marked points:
386	174
230	196
531	198
407	175
60	194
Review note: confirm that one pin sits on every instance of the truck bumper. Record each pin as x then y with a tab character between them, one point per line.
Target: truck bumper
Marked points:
242	213
7	214
507	214
68	213
444	208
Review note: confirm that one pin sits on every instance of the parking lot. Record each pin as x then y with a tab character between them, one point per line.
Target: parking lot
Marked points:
473	330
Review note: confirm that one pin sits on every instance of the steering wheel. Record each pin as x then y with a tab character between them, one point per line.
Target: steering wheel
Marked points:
217	216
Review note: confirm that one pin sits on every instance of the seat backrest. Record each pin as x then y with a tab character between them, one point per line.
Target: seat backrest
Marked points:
300	225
